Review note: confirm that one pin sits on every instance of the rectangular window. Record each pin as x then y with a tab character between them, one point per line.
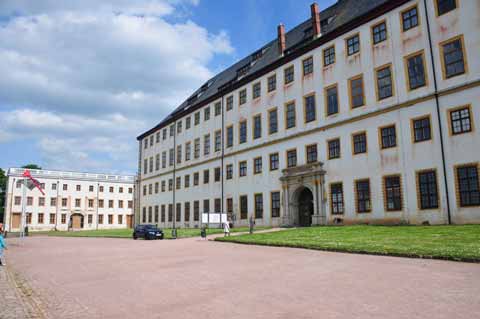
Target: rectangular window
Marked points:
218	141
393	193
100	203
157	163
196	210
275	204
229	169
453	58
230	103
312	153
242	169
41	201
100	217
357	97
206	176
379	32
188	151
65	187
145	169
353	45
188	122
243	207
272	83
170	212
79	187
77	202
336	198
196	118
290	116
292	158
63	218
257	165
110	216
334	148
242	97
329	56
331	97
307	66
206	205
428	191
164	159
178	182
288	75
416	71
164	134
18	200
206	144
359	143
178	215
229	207
243	132
162	214
460	120
217	174
52	219
186	181
274	161
421	129
362	190
217	205
179	154
384	83
187	211
196	148
444	6
172	130
218	108
410	18
150	164
272	121
171	157
206	113
388	137
230	136
170	184
257	90
163	186
179	127
310	108
468	185
40	218
257	126
53	202
258	206
196	179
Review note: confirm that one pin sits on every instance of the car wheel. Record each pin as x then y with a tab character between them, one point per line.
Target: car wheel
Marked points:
135	237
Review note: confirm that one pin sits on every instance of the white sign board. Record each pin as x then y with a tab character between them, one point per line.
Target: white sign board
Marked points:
213	218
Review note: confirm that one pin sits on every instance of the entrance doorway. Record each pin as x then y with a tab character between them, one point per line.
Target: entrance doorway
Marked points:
16	218
129	221
77	221
305	208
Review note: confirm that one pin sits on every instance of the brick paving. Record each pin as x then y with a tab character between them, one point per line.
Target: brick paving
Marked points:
190	278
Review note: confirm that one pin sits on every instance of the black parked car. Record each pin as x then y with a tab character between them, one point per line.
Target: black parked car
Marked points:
147	232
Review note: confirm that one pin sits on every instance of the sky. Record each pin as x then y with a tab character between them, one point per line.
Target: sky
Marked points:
80	80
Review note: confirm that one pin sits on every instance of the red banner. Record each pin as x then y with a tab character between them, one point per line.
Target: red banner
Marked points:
27	174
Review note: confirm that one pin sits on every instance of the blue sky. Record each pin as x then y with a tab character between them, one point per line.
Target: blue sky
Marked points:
81	79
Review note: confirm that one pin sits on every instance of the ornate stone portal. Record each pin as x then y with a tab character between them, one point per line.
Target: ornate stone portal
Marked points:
303	195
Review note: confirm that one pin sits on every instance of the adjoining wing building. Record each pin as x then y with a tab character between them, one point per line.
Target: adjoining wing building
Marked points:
364	113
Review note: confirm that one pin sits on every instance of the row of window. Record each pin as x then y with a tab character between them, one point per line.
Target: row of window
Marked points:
78	188
460	121
452	52
466	178
63	219
90	203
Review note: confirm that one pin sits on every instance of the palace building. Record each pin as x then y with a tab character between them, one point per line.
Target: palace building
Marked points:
71	200
364	113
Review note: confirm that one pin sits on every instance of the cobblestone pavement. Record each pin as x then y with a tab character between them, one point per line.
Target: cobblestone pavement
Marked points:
191	278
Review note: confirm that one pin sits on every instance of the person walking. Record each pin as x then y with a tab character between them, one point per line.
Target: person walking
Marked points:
251	224
3	245
226	229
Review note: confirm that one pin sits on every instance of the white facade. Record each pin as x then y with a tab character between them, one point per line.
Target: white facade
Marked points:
76	200
399	175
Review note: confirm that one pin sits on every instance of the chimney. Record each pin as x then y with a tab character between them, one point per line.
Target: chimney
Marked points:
281	39
315	19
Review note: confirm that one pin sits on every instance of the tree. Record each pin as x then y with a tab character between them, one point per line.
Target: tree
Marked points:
32	166
3	189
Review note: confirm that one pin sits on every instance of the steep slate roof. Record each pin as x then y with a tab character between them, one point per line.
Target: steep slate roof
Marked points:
337	15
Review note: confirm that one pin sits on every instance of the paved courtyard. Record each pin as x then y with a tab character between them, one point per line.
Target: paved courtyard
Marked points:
190	278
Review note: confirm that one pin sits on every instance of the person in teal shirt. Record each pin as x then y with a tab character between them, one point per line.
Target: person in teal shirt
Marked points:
3	245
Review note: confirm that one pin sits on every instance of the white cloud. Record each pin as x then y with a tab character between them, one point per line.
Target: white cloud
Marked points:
97	69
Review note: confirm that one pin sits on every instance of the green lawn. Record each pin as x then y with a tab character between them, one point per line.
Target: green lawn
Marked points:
127	233
443	242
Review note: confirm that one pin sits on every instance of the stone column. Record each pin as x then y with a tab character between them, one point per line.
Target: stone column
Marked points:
286	206
316	218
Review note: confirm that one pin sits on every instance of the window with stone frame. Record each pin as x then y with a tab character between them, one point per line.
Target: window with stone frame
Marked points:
162	214
179	154
362	188
230	136
164	159
257	126
460	120
155	214
188	151
229	207
206	176
334	148
258	206
186	208
229	102
188	122
288	75
410	18
186	181
218	141
217	174
163	186
272	83
353	45
275	204
206	205
388	136
196	210
393	193
179	127
242	96
379	32
171	157
218	108
242	168
170	184
445	6
196	178
468	185
40	218
178	215
357	95
292	158
416	71
257	165
336	198
272	121
384	83
359	143
243	207
217	205
196	118
229	169
178	182
312	153
307	66
257	90
164	134
421	129
243	132
453	58
290	115
206	144
332	100
206	113
310	109
170	212
196	148
329	56
428	189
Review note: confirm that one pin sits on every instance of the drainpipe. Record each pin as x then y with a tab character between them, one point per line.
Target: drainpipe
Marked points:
222	163
96	217
437	103
174	182
56	207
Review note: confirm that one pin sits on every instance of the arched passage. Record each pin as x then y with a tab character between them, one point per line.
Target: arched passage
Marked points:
305	207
